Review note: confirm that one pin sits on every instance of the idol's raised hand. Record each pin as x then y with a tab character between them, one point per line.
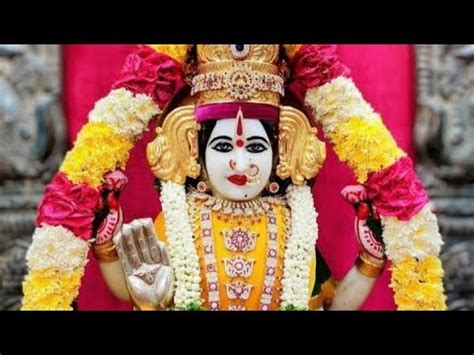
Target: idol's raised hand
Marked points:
146	264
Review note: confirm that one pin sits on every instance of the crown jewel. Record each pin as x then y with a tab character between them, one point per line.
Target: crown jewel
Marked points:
238	72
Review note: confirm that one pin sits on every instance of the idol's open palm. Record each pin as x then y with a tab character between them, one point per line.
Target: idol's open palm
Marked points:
146	263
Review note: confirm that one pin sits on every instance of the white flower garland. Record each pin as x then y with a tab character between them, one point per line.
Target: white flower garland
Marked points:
126	113
56	247
419	237
336	102
297	260
300	247
184	258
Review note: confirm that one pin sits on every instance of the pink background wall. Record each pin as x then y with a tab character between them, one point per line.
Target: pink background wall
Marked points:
384	74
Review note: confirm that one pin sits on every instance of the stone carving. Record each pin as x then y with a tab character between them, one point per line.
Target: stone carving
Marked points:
444	132
32	145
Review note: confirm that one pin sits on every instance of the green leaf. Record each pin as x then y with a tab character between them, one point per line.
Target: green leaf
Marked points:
192	307
291	307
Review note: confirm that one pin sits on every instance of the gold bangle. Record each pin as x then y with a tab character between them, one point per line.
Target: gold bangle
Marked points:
368	268
106	253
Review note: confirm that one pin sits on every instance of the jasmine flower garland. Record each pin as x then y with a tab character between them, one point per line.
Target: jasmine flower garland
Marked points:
301	245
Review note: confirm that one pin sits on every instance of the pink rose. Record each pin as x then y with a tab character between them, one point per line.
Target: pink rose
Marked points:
115	181
69	205
147	72
397	190
315	65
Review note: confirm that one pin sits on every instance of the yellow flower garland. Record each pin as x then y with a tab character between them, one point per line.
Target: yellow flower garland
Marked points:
418	284
418	238
51	289
176	51
336	102
357	133
98	150
361	140
56	261
56	258
365	145
126	113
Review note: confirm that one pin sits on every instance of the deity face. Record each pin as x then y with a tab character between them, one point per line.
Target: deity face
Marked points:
239	159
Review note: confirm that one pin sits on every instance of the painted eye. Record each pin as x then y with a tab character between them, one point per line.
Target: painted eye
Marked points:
223	147
239	51
256	148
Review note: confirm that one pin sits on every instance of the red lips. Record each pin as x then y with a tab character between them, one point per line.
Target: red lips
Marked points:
237	179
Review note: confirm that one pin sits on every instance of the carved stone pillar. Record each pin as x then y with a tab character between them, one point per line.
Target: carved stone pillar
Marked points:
444	135
32	145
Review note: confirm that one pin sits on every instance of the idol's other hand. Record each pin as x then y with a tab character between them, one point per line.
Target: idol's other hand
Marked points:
368	241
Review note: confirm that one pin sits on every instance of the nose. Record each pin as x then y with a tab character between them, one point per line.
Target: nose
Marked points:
241	161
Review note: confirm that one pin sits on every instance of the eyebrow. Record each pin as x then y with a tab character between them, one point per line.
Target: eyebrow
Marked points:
220	137
253	138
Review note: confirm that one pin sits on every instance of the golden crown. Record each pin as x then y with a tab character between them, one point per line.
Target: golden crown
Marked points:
238	73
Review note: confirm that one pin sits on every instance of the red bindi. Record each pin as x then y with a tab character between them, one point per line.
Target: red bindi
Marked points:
240	143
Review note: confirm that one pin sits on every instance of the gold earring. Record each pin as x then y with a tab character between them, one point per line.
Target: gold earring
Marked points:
201	186
273	187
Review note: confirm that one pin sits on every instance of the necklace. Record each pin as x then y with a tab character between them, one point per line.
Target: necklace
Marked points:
239	241
255	207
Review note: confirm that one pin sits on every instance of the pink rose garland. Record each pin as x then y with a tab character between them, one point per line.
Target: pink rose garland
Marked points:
315	65
397	190
147	72
69	205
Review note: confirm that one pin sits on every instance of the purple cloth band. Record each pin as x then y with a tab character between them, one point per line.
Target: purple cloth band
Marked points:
228	110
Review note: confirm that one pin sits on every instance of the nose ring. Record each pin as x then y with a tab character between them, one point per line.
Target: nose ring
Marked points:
253	170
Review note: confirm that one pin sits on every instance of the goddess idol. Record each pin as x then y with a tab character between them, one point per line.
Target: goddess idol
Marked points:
235	156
